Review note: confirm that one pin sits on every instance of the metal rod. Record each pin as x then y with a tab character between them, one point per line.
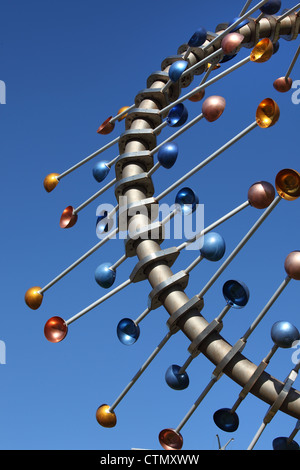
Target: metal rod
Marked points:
214	225
112	162
266	308
236	23
82	258
207	84
178	133
142	316
196	404
243	242
139	373
224	312
87	159
207	160
98	302
186	364
293	63
118	263
203	62
97	194
257	436
259	17
118	116
289	12
187	53
154	169
193	264
247	4
294	432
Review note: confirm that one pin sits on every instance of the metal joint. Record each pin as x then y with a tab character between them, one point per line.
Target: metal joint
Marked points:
135	181
145	136
152	116
175	320
142	158
180	279
154	232
168	256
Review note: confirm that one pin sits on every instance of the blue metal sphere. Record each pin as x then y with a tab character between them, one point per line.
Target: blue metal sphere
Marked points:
167	155
175	380
105	276
271	8
198	38
101	223
128	331
284	334
240	25
177	116
187	199
276	47
226	420
281	443
100	171
236	293
227	58
213	247
177	69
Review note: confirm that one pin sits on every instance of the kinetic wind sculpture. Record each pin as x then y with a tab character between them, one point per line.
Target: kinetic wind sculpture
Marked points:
158	106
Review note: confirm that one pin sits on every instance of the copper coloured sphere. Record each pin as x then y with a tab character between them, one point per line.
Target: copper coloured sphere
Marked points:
68	218
261	195
197	96
106	418
106	127
213	107
262	52
267	113
288	184
231	43
50	182
170	439
55	329
33	298
292	265
283	85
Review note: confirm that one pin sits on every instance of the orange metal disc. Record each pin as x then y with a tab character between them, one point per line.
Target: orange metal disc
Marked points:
106	127
170	439
51	181
55	329
106	418
68	218
262	52
288	184
33	298
267	113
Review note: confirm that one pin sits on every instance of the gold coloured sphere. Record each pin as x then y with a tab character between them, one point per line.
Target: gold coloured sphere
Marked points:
283	85
215	66
197	96
261	195
267	113
262	52
33	298
51	181
121	110
288	184
106	418
292	265
106	127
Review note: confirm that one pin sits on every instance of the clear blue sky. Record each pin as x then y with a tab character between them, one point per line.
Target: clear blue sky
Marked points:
67	67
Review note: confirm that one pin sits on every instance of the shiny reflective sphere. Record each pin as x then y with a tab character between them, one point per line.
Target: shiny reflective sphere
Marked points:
187	199
33	298
240	25
231	42
284	334
236	293
197	96
227	58
276	46
106	418
213	108
100	171
167	155
121	110
50	182
128	331
283	85
213	247
55	329
177	116
169	439
198	38
267	113
271	8
226	420
287	184
281	443
105	276
106	127
68	219
262	52
177	69
292	265
261	194
175	380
